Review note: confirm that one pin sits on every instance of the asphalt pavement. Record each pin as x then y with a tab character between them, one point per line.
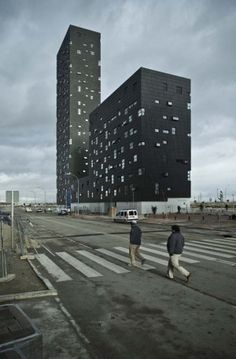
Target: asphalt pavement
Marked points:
36	296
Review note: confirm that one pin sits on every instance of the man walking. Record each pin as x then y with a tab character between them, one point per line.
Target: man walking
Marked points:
175	245
134	244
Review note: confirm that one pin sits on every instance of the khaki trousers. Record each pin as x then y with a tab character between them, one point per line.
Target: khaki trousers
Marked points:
134	254
174	264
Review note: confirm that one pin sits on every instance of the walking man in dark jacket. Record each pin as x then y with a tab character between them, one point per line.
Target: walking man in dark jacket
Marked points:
175	245
134	244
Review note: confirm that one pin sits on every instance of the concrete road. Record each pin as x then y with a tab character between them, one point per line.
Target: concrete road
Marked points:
124	312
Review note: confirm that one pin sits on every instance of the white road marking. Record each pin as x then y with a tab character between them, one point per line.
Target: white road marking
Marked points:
183	259
211	247
56	272
103	262
146	256
197	255
188	247
78	265
122	258
217	243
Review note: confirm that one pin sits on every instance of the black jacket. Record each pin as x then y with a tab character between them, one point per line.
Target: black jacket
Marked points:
175	243
135	234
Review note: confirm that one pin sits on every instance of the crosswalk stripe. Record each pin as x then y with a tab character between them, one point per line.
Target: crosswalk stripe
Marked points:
146	256
56	272
213	248
191	248
122	258
218	242
200	256
103	262
78	265
222	246
183	259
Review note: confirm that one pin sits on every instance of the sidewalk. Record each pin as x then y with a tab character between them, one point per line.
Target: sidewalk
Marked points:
38	299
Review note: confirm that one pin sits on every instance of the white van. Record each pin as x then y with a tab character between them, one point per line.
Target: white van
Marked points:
126	215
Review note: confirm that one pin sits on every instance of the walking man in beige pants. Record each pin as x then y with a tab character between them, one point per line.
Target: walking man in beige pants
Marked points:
175	245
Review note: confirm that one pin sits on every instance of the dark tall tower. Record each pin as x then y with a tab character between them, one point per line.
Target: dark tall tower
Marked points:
140	143
78	94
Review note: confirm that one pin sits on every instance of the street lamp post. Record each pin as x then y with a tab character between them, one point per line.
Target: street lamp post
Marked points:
72	174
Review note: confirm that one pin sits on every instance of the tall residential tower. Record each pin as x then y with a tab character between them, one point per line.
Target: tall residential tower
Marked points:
78	94
140	144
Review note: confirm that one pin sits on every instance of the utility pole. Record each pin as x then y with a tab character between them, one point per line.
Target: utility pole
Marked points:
12	219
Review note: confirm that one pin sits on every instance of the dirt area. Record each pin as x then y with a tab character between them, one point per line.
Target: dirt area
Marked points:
25	278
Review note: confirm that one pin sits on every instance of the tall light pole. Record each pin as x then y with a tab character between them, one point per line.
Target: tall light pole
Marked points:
72	174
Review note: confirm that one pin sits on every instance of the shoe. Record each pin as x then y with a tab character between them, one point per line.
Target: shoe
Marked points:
143	261
188	277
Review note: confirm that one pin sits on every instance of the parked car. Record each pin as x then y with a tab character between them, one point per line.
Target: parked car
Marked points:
63	212
126	215
28	209
39	210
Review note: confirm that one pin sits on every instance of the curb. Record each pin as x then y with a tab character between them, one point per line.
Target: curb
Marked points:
28	295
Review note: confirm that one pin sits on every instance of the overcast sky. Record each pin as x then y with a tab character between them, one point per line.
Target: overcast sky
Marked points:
190	38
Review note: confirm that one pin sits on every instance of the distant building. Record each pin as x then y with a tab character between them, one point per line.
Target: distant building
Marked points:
140	144
78	93
16	197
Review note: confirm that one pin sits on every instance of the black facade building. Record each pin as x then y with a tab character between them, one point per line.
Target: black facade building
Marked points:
78	94
140	142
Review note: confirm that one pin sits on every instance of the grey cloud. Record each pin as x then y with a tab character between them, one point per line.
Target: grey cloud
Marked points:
191	38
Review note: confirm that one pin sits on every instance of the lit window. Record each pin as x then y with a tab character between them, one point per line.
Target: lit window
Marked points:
165	131
173	130
175	118
130	118
157	144
122	179
140	171
131	145
122	149
157	101
92	52
164	117
156	130
79	111
79	52
169	103
141	112
70	141
135	158
188	106
79	88
164	142
131	131
126	134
